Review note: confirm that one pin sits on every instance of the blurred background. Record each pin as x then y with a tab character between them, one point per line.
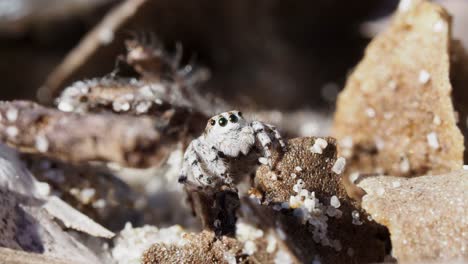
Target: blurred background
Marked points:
271	53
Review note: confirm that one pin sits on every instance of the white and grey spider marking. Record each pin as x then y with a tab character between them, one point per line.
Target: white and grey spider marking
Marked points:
229	149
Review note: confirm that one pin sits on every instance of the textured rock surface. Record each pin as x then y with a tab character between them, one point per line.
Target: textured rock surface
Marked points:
314	169
322	224
204	247
395	115
426	216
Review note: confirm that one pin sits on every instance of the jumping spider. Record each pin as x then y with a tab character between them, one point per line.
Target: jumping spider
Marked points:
229	149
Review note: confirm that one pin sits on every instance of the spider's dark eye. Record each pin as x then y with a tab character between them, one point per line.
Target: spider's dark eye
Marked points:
233	118
222	121
212	122
240	114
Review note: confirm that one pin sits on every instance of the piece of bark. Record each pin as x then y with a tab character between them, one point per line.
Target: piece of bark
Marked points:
426	216
395	115
336	231
75	138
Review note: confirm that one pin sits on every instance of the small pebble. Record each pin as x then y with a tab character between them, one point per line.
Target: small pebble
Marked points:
437	120
143	107
335	202
432	140
339	165
99	204
274	176
42	144
354	176
12	131
65	106
319	145
396	184
370	112
249	247
87	194
439	26
12	114
356	220
404	165
271	246
424	77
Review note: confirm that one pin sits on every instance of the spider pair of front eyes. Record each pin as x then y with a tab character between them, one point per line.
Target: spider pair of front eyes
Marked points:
223	121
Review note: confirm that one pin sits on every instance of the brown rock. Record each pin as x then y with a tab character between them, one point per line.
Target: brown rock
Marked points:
200	248
426	216
331	232
395	115
314	169
204	247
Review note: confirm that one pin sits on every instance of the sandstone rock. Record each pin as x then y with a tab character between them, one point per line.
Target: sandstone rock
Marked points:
426	216
395	115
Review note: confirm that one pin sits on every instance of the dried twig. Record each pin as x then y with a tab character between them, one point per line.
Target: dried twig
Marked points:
75	138
127	96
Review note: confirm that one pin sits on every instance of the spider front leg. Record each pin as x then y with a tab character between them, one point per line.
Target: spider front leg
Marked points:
192	174
265	141
277	136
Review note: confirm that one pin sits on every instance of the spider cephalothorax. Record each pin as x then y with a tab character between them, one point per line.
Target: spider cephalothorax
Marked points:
229	148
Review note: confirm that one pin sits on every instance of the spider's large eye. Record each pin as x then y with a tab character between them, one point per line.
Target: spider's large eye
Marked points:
222	121
233	118
212	122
